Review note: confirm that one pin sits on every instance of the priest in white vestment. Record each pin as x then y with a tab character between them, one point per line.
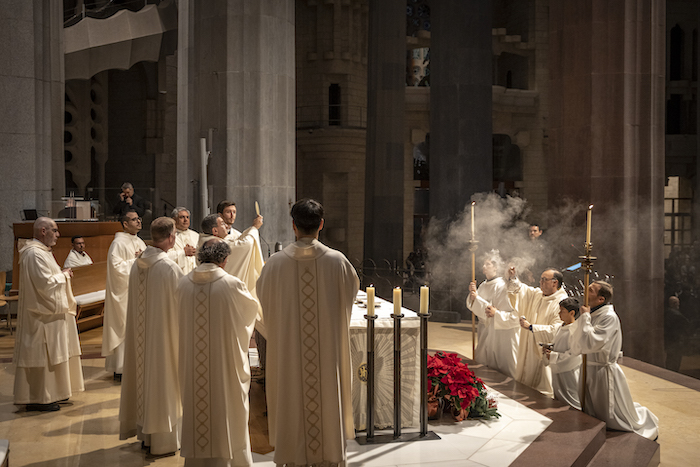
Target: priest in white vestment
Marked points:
598	334
307	291
217	315
565	364
121	256
77	256
151	406
539	317
47	350
498	332
185	248
245	261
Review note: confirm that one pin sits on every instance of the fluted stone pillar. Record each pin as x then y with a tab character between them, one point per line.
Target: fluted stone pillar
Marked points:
386	89
31	111
460	104
607	97
236	77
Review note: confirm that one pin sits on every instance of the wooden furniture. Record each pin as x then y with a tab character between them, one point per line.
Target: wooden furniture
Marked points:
6	300
98	236
89	291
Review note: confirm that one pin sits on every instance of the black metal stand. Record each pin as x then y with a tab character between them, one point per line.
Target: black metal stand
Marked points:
398	437
397	374
370	376
424	373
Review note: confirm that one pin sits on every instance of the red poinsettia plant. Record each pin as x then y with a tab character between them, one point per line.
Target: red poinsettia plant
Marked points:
451	379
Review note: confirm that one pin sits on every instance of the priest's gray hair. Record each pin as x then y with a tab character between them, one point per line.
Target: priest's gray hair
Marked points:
213	251
178	210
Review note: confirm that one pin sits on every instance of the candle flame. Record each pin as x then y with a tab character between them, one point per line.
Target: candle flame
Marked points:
590	207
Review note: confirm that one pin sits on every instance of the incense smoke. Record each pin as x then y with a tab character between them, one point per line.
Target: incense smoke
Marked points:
502	224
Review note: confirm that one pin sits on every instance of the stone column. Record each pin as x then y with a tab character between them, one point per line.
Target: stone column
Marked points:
31	111
460	104
384	168
236	77
607	148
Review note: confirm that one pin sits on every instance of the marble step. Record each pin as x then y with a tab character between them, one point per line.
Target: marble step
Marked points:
627	450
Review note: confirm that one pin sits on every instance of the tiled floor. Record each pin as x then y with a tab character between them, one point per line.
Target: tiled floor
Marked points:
469	443
85	433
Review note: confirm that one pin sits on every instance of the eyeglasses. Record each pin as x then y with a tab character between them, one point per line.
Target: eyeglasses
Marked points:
134	219
544	279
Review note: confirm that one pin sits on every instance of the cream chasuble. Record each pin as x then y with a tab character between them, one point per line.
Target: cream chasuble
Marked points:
120	259
307	292
497	345
150	394
599	335
246	260
177	252
543	313
217	314
47	350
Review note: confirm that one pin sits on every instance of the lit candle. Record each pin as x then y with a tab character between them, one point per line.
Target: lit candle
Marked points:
588	225
370	301
424	297
397	301
473	203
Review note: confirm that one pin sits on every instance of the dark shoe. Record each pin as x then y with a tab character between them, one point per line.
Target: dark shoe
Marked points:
53	407
118	377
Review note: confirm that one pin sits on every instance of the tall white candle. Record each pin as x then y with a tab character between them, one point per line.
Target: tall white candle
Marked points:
424	299
473	203
588	225
397	301
370	301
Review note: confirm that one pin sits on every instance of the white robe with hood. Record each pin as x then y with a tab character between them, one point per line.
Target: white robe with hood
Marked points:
599	335
217	314
120	259
543	313
307	292
47	349
151	407
497	344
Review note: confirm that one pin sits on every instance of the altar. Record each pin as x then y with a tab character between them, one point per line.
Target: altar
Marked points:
384	364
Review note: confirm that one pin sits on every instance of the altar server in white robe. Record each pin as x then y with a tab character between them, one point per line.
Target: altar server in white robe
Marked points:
598	334
121	255
151	406
47	350
217	315
186	239
307	291
565	365
498	331
539	317
77	256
